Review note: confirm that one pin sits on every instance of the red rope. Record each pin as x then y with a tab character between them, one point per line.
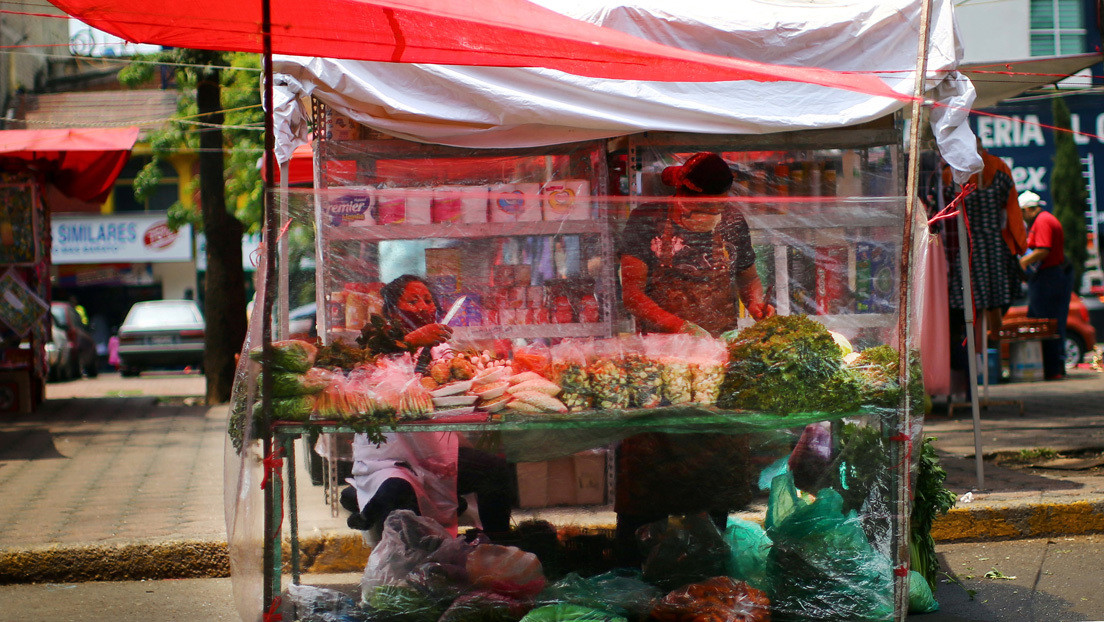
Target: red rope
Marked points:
901	570
904	438
273	614
273	465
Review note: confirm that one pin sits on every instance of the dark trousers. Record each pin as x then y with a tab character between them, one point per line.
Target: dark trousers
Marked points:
1048	296
486	475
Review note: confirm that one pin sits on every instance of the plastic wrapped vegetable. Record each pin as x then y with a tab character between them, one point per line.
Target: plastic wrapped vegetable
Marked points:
677	377
622	592
484	606
566	612
505	570
569	371
290	355
607	376
707	370
716	599
288	384
298	408
644	376
682	550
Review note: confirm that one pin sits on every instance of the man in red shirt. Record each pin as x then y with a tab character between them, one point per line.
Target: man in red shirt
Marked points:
1049	284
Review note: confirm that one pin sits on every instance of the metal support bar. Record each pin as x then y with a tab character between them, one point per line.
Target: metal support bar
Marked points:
293	506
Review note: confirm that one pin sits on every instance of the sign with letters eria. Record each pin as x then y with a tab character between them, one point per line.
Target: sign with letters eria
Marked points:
119	238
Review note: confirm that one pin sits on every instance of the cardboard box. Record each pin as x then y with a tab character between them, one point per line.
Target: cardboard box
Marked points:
579	479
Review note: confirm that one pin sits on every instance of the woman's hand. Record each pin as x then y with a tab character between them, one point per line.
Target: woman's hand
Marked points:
428	335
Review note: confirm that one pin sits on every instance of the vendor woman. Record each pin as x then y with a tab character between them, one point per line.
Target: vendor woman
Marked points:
685	266
425	472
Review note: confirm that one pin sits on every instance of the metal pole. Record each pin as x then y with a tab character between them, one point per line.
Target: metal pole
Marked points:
901	420
971	360
271	546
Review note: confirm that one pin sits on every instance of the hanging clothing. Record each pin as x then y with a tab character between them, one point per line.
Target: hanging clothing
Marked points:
996	236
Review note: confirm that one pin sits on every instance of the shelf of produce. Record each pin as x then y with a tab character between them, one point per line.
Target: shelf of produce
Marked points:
513	331
403	231
683	418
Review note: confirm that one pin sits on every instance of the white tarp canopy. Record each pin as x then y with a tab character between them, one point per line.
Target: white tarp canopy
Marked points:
523	107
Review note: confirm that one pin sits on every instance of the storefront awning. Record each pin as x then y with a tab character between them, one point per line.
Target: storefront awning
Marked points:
998	81
82	163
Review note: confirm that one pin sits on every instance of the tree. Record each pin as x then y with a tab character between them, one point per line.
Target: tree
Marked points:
1067	189
211	83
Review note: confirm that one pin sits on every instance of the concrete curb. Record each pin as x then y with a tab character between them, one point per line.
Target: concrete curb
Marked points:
336	552
1029	520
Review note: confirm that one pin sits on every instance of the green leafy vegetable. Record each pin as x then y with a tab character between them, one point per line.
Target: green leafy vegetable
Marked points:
788	364
931	499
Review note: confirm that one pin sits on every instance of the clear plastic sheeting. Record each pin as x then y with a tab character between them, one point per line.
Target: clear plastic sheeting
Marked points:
480	298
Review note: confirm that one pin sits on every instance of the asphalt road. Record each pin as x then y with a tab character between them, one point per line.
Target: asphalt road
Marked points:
1046	580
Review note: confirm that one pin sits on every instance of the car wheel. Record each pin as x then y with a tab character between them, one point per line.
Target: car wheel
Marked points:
127	371
1075	350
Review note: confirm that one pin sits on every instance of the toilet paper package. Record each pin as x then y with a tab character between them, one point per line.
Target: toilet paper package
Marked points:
403	205
352	207
466	204
568	199
515	202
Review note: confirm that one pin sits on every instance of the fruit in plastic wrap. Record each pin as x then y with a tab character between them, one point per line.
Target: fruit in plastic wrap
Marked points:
786	364
291	355
536	384
706	379
719	599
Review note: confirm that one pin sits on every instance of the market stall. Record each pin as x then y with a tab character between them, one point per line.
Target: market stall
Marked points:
81	164
521	222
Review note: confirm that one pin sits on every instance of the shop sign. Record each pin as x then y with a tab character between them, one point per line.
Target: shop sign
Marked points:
119	238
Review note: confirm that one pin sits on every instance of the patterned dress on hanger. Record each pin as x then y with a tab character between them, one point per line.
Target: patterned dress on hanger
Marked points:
990	273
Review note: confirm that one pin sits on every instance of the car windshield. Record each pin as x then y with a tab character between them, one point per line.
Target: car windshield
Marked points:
150	316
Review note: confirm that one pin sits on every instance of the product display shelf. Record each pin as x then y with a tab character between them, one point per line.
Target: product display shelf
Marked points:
510	331
604	426
399	231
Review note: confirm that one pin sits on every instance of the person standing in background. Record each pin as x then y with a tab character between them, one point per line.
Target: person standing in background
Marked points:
1049	281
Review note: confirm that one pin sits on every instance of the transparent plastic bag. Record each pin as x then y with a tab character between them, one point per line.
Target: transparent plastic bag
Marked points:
505	570
717	598
822	566
749	545
675	368
643	370
681	550
569	370
622	592
707	370
607	376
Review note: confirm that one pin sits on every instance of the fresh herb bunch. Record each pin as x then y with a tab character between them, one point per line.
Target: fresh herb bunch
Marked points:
787	364
339	355
379	336
878	368
931	499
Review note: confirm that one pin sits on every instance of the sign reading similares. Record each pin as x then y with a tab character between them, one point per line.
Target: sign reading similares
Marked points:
118	238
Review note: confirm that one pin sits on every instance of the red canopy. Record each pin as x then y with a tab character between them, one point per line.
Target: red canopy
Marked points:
82	162
501	33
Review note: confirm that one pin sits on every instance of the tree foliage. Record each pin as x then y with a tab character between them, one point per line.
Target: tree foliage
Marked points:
1067	189
243	129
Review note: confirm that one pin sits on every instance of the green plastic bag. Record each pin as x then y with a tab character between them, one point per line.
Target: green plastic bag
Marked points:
921	599
822	566
622	592
566	612
749	546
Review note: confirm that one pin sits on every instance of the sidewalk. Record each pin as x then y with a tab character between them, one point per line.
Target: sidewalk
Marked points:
110	481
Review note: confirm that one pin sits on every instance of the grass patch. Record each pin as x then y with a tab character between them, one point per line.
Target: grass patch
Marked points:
127	393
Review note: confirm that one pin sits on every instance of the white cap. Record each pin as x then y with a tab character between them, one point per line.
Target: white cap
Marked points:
1030	199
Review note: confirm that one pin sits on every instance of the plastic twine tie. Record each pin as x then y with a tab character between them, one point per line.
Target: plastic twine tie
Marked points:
951	209
273	614
901	437
901	570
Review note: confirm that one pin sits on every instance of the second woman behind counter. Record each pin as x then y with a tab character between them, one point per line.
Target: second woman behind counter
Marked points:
425	472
